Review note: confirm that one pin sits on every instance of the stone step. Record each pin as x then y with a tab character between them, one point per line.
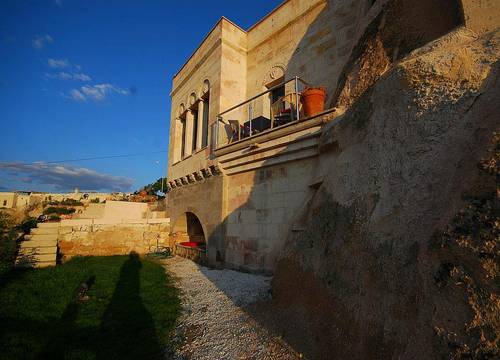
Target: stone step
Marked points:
35	260
38	250
37	243
39	264
48	224
44	231
52	237
42	264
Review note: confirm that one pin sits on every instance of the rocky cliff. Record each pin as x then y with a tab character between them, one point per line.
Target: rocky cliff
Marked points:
399	256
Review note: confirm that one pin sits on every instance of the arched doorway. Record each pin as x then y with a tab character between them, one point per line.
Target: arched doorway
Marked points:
189	237
195	229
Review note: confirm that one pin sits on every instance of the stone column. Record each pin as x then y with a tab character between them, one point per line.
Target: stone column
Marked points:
177	143
200	124
189	134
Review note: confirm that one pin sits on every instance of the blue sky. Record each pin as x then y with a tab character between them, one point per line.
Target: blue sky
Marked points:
83	79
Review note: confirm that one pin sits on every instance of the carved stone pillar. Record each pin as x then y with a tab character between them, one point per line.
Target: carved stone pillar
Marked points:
201	130
177	143
189	134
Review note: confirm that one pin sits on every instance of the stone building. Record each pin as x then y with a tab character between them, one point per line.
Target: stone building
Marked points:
243	155
15	200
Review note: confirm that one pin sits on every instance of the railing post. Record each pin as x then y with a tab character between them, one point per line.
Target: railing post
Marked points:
216	136
297	113
250	118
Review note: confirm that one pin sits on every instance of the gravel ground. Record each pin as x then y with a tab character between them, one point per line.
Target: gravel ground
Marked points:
214	324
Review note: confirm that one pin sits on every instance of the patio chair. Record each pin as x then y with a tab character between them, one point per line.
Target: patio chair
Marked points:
281	113
235	130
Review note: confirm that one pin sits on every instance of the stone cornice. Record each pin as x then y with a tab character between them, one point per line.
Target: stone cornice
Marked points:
193	178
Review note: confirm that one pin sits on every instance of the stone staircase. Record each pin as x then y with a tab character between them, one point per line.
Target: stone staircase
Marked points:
39	248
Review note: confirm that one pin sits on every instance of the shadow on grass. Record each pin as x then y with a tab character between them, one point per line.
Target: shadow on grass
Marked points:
11	275
126	329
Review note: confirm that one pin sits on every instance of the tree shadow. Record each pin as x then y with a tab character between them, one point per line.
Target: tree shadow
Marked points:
127	329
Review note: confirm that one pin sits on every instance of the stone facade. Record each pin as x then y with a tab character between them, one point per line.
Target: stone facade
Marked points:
8	200
249	195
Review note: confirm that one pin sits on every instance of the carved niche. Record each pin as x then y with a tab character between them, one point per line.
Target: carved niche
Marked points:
277	71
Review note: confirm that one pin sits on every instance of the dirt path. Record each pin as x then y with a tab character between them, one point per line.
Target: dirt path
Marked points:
214	324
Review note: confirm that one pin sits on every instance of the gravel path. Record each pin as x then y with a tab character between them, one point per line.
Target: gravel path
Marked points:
214	324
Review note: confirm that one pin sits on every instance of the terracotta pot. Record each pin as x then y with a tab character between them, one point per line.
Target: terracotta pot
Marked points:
313	100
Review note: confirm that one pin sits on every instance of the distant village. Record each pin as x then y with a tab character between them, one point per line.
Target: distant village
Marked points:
22	200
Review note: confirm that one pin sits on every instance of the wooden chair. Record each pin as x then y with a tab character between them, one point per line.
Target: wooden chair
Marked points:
280	109
235	130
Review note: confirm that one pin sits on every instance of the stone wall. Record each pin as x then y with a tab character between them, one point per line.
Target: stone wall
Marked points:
104	237
206	200
197	255
125	210
481	15
394	262
262	206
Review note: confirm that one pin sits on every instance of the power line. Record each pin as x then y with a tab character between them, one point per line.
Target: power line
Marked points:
99	157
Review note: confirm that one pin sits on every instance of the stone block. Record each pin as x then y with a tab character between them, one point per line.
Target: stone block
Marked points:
248	216
249	231
76	222
104	221
277	215
233	229
262	215
232	218
135	221
65	230
159	221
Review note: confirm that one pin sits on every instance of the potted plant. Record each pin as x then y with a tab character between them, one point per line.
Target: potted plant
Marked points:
313	100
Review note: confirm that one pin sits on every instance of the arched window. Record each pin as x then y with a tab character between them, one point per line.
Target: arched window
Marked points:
193	100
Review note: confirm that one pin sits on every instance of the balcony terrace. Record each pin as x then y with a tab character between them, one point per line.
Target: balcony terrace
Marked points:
267	129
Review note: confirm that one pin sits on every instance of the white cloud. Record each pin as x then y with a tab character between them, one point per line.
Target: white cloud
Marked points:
76	95
58	63
82	77
97	92
58	2
69	76
64	177
41	40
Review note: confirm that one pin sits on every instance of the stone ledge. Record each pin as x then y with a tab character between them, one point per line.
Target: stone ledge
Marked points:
278	132
159	221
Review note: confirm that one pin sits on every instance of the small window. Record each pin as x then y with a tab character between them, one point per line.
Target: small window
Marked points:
277	93
4	202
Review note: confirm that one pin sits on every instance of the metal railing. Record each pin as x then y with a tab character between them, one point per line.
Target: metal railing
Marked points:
275	107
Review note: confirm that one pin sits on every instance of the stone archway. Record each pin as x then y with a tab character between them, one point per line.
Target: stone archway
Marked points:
189	237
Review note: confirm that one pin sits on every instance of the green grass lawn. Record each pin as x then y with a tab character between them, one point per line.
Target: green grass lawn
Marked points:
131	309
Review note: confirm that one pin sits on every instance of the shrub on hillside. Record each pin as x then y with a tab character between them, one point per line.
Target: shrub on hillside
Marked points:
58	210
8	246
27	225
71	202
